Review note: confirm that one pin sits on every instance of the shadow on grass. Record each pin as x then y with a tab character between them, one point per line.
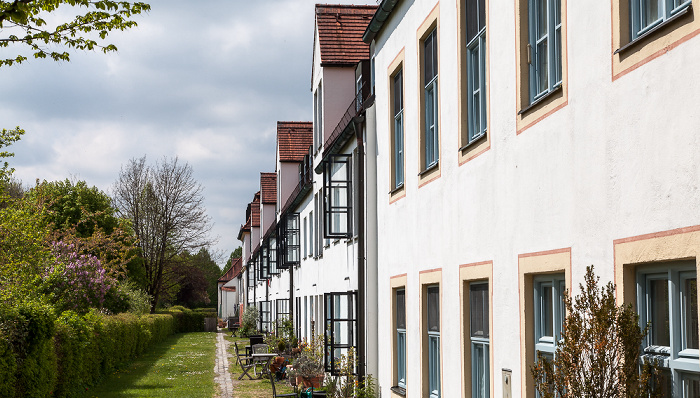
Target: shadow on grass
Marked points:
180	366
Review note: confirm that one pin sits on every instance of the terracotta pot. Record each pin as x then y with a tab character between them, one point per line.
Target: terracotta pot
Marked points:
314	382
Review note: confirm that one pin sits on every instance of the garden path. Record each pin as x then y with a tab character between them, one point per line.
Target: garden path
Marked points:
221	367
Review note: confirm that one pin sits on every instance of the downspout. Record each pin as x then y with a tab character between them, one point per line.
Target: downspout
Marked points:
361	323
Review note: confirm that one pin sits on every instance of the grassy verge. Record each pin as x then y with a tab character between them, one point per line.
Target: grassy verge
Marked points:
181	366
250	388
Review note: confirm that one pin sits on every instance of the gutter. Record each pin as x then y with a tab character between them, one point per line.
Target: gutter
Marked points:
380	17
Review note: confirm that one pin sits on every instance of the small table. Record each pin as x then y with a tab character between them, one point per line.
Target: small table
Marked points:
263	360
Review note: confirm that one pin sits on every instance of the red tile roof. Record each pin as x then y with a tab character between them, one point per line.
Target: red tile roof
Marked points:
340	30
294	140
255	211
268	188
232	272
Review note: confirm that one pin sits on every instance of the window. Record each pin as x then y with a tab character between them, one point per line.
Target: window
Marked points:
318	117
647	14
281	313
340	326
251	274
289	241
261	266
297	317
398	129
312	240
306	238
430	87
401	337
337	192
476	68
549	313
545	47
479	335
433	331
265	309
669	303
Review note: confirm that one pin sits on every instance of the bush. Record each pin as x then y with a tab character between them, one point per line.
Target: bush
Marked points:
186	320
7	368
250	322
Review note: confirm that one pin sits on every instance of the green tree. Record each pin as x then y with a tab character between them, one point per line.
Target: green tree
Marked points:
238	253
599	349
81	24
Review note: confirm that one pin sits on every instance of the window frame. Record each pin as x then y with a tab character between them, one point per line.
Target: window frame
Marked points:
433	336
431	95
681	362
333	210
398	127
476	128
289	241
330	362
400	340
665	11
281	308
265	320
553	56
482	342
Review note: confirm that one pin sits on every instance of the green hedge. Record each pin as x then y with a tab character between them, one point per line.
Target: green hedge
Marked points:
44	355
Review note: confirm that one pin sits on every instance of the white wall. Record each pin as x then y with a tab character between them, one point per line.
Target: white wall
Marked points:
620	159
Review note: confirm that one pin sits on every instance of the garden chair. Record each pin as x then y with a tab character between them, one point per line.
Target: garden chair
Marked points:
274	390
261	362
246	363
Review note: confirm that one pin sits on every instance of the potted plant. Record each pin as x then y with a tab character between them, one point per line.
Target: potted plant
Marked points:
307	368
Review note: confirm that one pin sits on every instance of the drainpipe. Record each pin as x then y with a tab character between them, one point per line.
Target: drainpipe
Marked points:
361	322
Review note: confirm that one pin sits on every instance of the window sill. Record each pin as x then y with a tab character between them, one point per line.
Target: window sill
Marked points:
540	100
397	189
474	142
637	42
399	390
429	169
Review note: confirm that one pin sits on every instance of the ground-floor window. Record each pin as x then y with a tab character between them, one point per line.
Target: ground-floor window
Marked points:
340	328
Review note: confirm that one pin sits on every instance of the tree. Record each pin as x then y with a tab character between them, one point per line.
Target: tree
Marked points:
599	350
237	253
166	208
24	23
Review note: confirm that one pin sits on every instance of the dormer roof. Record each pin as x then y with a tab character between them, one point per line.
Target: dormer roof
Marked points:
268	188
294	140
340	29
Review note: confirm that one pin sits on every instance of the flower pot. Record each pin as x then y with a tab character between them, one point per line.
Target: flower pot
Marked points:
314	382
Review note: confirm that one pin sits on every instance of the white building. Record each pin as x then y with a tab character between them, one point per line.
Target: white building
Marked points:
231	288
517	143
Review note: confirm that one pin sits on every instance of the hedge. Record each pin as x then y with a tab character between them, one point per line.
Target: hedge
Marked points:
43	355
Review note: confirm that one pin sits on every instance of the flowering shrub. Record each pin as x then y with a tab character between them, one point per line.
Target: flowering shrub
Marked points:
76	281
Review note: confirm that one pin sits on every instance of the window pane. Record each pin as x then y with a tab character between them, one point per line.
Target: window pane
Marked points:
401	358
434	366
691	386
691	313
659	317
542	80
398	92
428	58
472	19
434	309
650	13
401	309
541	6
547	322
479	310
482	14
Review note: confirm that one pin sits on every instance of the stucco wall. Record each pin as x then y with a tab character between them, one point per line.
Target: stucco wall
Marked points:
620	159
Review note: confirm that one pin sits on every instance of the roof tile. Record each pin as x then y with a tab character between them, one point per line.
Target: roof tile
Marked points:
340	30
294	140
232	272
268	188
255	211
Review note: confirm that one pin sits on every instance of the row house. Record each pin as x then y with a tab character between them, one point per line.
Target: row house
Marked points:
230	289
519	142
306	231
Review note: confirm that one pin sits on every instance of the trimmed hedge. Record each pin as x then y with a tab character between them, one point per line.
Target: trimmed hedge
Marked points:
41	355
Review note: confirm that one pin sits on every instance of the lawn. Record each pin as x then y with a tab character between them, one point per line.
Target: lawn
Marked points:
250	388
181	366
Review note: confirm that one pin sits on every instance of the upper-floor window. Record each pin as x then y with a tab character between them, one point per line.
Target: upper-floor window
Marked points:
398	129
476	68
646	14
430	82
544	48
337	197
261	265
318	117
668	302
251	273
288	241
272	256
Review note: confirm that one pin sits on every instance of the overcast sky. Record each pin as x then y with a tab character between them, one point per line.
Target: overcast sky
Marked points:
204	80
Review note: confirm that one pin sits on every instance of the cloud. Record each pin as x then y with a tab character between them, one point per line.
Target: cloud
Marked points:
205	81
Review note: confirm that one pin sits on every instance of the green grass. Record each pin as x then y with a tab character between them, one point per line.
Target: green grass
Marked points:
181	366
250	388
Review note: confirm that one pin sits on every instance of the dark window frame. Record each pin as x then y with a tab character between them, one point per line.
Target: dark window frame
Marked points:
330	362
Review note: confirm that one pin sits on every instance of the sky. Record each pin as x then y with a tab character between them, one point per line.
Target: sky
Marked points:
202	80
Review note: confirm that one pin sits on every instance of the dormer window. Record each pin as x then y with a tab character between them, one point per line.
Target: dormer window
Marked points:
337	189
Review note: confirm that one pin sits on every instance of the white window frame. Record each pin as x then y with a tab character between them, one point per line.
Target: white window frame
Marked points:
676	359
544	81
431	106
665	9
546	344
481	369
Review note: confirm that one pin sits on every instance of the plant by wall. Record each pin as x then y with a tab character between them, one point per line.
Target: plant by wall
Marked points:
250	322
599	349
